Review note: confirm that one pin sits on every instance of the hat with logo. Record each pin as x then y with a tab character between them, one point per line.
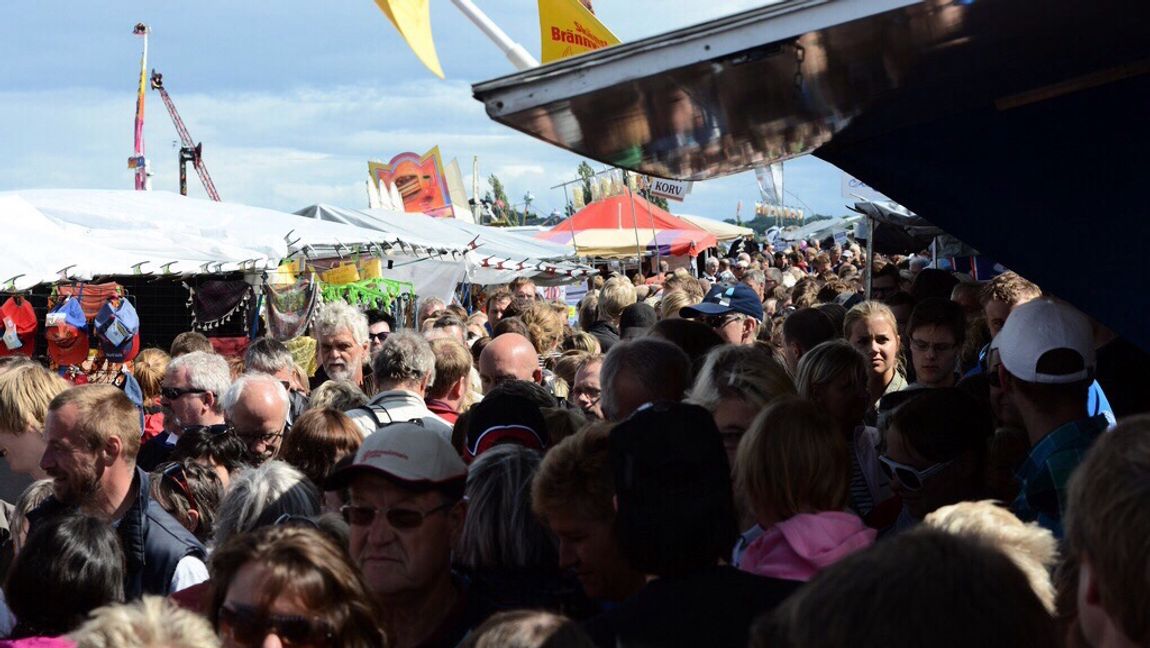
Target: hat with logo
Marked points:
22	339
1048	342
66	330
409	454
116	328
739	298
505	418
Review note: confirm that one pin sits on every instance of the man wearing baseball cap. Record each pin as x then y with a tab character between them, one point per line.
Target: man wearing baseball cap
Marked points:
734	312
1045	365
406	513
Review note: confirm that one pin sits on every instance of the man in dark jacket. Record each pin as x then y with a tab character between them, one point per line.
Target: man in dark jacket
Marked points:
675	522
93	435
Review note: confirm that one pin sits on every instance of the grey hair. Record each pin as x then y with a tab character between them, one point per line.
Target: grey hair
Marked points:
404	357
258	496
340	395
267	355
656	365
713	262
754	276
206	371
827	360
339	316
236	392
749	372
500	530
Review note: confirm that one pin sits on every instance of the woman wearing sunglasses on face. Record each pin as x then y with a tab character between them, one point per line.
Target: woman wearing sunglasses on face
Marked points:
290	586
935	454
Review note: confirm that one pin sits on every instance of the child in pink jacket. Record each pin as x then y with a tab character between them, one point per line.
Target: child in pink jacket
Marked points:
794	471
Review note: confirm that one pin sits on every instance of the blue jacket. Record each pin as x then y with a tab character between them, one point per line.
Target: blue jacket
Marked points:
153	541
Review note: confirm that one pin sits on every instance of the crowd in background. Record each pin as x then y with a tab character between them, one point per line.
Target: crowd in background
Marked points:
757	455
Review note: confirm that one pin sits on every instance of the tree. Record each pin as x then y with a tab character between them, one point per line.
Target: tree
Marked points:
500	205
586	173
657	201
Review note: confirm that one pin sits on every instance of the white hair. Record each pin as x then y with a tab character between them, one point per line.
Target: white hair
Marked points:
267	355
206	371
338	316
236	392
258	496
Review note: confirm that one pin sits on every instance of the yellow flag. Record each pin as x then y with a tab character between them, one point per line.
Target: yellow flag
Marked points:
413	20
567	29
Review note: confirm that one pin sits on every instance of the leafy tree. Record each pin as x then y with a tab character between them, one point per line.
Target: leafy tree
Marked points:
586	173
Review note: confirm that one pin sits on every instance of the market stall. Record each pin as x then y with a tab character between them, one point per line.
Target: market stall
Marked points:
626	225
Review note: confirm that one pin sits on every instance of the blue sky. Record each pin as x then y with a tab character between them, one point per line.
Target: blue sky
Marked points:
291	99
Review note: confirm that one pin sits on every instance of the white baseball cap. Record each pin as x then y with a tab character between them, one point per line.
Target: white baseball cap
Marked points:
1037	328
407	453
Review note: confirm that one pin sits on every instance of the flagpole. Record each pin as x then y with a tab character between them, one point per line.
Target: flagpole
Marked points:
519	57
635	225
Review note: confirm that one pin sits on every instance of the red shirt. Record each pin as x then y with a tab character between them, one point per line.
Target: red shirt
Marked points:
442	410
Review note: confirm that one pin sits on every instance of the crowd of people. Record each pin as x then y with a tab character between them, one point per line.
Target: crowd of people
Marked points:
758	455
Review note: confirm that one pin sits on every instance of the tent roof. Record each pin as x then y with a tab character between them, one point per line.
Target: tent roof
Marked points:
626	225
723	231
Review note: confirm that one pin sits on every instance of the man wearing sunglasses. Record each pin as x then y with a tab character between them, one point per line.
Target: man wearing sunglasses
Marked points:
406	513
191	390
734	312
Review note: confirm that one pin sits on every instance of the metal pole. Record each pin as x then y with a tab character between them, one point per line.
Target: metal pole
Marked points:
519	57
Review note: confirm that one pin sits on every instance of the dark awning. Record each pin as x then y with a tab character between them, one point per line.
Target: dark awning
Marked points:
1019	127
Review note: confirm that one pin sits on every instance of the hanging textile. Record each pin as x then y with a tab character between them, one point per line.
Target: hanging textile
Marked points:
215	302
290	308
303	352
18	325
92	296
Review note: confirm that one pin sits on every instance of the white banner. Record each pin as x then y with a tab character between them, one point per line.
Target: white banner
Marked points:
670	189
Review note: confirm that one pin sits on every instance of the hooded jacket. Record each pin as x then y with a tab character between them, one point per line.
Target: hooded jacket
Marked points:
798	547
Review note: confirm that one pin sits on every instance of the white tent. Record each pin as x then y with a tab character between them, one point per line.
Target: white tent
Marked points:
723	231
123	232
497	255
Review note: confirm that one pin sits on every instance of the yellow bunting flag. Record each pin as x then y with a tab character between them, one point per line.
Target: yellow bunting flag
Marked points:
413	20
567	29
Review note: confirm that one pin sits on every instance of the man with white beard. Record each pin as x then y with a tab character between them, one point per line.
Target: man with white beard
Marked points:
341	345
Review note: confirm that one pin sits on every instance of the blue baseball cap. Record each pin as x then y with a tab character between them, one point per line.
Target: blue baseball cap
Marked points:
721	300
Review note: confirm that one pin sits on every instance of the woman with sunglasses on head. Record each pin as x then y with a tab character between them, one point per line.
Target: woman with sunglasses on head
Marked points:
833	376
935	455
291	586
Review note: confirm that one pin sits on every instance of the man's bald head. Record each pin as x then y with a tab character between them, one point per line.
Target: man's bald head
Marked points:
510	356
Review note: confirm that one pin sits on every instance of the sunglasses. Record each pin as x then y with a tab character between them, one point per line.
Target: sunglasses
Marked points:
719	321
174	473
249	625
379	337
172	393
910	477
211	430
399	518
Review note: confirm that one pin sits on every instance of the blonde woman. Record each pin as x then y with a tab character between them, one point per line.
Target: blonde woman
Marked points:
25	392
872	328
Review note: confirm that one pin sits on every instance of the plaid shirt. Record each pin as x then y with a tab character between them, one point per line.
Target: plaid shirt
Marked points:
1044	475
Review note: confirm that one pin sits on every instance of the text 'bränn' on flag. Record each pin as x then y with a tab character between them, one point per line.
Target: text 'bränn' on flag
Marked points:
567	28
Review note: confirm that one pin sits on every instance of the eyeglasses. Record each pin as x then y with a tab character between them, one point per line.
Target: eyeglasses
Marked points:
249	625
172	393
719	321
257	436
379	337
910	477
922	346
175	474
592	393
399	518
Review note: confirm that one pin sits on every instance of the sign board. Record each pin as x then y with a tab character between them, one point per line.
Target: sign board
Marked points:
669	189
854	188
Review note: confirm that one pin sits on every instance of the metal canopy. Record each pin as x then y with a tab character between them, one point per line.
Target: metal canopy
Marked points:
1018	127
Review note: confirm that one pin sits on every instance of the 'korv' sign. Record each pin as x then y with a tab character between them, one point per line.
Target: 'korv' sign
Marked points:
669	189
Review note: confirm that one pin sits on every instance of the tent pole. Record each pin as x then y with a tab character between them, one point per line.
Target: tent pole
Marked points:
635	224
869	254
658	255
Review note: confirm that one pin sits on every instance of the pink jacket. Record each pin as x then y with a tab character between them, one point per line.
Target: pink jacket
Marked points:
798	547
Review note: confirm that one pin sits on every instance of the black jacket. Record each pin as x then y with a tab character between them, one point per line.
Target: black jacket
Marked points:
153	541
606	333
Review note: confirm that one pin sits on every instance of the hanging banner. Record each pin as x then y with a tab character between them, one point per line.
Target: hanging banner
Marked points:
567	28
419	180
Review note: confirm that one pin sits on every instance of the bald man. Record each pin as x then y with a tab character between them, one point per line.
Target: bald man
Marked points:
256	406
509	357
